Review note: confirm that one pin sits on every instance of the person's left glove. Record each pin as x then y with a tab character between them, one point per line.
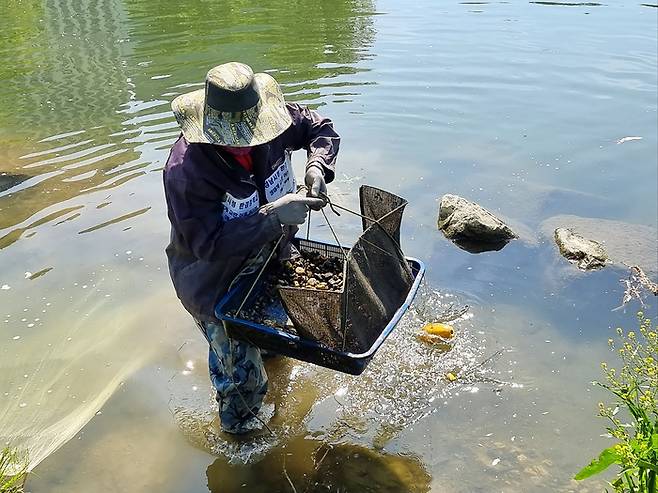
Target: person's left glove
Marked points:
314	181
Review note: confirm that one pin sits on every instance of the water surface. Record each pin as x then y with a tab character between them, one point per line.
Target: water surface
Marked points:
518	106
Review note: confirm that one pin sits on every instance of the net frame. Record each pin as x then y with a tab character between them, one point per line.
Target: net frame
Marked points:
323	323
353	317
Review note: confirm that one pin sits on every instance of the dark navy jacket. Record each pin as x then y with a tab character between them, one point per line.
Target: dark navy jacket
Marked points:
212	204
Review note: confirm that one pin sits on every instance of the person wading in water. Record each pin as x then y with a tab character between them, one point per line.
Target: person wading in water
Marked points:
231	195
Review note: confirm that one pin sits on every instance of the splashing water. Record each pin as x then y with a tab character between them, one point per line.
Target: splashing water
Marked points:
404	383
293	391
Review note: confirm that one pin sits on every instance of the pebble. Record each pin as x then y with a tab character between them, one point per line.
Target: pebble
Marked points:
310	271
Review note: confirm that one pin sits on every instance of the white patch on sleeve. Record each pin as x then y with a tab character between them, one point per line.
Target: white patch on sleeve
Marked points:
281	182
235	208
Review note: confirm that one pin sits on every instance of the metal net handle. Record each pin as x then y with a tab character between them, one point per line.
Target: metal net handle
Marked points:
336	206
333	208
260	273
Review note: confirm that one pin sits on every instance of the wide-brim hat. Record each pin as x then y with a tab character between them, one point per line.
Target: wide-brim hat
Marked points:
237	108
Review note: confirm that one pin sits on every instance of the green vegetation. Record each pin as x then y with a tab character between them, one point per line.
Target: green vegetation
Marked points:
13	468
635	387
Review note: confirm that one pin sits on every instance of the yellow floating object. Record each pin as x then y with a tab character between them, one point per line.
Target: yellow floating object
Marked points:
451	376
438	329
438	342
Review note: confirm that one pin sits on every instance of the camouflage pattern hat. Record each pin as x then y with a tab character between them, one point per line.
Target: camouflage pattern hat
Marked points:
237	108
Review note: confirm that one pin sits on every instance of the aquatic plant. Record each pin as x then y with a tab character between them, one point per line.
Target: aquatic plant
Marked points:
635	387
13	469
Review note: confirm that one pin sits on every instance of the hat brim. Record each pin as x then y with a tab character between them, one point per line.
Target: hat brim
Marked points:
254	126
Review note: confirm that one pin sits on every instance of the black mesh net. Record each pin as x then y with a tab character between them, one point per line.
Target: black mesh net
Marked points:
384	207
377	281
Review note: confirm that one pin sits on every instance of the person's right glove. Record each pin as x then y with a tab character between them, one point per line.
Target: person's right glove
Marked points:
291	209
314	181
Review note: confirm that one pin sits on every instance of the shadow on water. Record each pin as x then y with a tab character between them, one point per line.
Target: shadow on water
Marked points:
9	180
306	465
479	246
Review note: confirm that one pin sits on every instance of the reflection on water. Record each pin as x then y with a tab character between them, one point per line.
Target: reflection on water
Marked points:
95	94
86	130
570	4
311	465
522	117
293	389
115	220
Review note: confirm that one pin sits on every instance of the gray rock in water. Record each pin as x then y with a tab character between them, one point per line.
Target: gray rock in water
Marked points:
587	254
626	244
471	225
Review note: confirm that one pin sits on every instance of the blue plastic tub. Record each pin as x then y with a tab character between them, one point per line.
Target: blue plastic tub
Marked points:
281	342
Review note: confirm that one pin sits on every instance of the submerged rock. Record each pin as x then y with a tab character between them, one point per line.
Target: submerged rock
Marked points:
587	254
626	244
471	226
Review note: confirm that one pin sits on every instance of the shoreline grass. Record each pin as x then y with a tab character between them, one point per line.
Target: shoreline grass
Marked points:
633	416
13	470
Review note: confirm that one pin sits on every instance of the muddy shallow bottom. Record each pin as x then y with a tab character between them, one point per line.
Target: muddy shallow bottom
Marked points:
538	111
522	422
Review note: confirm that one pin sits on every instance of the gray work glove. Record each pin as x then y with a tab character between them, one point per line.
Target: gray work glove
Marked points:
314	181
291	209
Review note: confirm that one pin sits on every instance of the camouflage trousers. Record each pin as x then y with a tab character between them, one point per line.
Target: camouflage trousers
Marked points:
238	375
